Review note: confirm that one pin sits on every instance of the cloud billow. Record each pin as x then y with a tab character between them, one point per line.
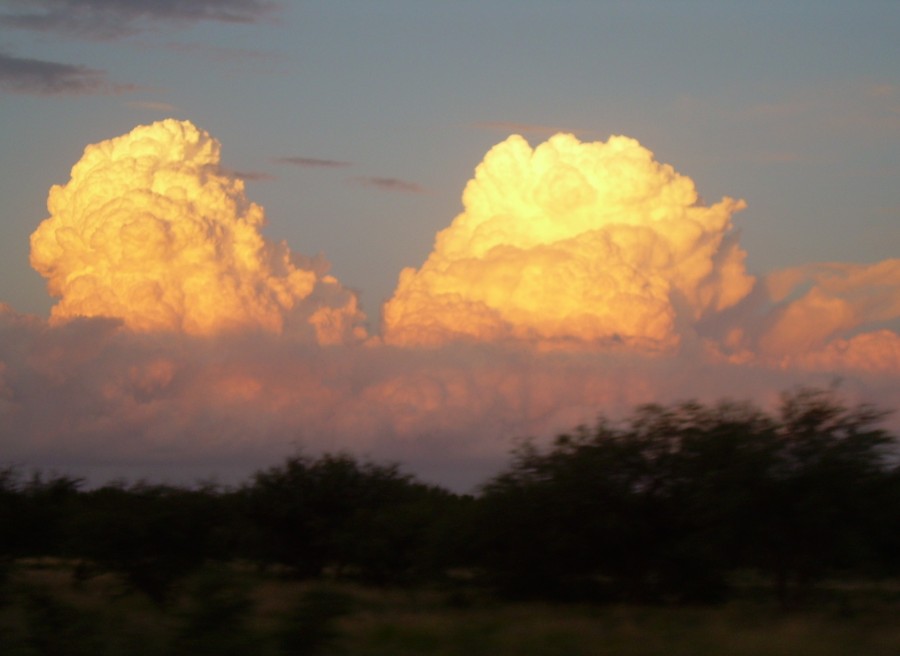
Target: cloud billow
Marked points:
151	230
591	243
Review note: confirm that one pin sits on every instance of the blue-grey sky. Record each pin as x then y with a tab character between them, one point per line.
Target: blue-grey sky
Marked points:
794	107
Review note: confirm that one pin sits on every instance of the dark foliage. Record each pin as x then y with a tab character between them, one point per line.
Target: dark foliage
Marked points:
152	535
310	628
213	620
360	519
665	506
33	513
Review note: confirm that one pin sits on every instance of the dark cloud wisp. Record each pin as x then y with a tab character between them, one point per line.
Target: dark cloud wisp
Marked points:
252	176
106	19
312	162
391	184
36	76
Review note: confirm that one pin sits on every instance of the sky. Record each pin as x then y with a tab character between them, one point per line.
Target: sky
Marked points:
422	231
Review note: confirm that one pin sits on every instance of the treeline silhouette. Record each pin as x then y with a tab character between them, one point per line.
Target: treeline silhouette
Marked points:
672	504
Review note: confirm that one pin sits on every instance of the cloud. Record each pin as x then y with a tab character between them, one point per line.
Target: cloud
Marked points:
391	184
834	313
594	244
252	176
312	162
152	231
87	397
579	279
106	19
36	76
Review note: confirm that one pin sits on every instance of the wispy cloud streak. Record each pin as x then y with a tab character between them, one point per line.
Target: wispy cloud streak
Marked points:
312	162
391	184
110	19
37	76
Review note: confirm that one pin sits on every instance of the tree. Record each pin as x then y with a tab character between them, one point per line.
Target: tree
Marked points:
33	512
832	462
666	503
153	535
363	519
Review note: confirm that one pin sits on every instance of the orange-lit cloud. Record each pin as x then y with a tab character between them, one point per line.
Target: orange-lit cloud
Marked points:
593	243
877	351
151	230
834	314
87	397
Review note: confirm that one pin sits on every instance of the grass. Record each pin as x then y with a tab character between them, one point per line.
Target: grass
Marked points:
44	610
538	629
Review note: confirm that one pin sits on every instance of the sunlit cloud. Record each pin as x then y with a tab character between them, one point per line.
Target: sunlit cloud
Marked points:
834	310
103	19
391	184
37	76
151	230
593	243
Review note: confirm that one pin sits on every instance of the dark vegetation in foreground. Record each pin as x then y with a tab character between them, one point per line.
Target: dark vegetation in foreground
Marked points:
236	610
678	505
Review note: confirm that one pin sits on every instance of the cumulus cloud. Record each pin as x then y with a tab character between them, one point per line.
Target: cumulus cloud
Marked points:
592	243
36	76
151	230
106	19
